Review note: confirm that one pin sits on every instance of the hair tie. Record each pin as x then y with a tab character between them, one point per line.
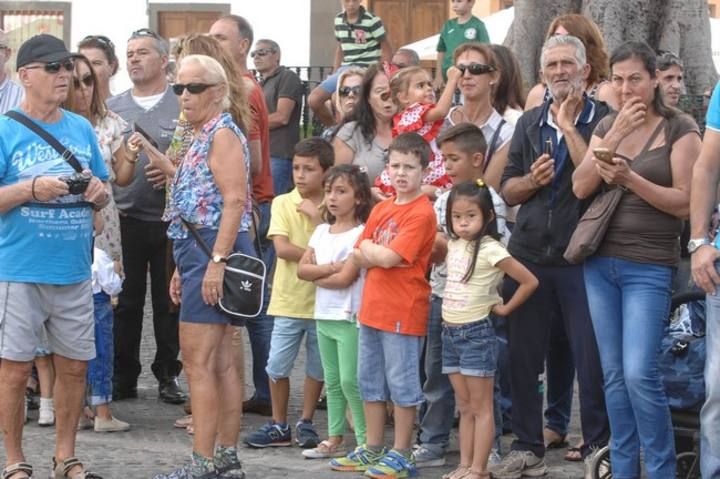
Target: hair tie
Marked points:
480	183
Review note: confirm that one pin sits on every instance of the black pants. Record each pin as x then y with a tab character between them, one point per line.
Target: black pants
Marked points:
561	292
144	244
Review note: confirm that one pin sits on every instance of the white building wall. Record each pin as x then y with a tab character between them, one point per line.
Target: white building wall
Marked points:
285	21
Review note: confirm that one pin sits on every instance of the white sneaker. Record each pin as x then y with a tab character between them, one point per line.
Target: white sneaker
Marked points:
494	459
110	425
46	414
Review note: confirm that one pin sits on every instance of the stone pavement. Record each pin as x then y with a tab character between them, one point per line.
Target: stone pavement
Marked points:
153	445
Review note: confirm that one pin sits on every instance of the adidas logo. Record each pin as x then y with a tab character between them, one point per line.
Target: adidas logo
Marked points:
246	285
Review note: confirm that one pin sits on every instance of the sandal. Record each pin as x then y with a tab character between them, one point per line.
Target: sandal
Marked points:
324	450
13	469
458	473
60	471
477	475
184	422
574	454
554	440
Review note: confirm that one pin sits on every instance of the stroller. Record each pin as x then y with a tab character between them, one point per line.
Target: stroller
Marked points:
682	363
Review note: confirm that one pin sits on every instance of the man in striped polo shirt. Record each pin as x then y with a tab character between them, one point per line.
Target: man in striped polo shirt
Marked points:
361	41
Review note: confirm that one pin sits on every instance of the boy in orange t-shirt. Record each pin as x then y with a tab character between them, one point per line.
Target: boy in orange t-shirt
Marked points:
395	248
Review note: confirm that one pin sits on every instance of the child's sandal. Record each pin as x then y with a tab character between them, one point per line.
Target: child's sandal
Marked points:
13	469
60	471
459	473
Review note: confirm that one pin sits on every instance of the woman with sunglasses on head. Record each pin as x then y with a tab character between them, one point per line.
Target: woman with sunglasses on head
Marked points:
597	86
100	50
367	132
120	159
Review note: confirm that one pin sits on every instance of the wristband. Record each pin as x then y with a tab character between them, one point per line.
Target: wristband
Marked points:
32	188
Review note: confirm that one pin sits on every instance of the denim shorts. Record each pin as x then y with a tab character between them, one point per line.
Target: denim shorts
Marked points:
389	367
287	335
470	349
192	262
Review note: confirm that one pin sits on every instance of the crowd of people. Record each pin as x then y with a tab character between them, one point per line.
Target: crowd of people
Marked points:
418	246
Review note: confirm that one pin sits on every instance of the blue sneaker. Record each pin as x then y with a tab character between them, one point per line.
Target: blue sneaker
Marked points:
305	435
393	466
358	460
271	434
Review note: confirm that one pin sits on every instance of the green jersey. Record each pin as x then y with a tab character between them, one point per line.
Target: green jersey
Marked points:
453	34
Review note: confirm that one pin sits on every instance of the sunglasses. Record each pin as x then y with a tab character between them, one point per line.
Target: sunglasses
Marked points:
87	80
261	52
476	68
145	32
100	39
348	90
193	88
54	67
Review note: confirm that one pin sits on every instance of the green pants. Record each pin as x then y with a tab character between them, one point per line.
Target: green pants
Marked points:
338	343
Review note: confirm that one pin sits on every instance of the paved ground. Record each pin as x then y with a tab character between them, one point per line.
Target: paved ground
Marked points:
153	445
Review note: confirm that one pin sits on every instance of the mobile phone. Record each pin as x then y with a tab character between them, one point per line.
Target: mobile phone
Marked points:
548	150
603	154
137	128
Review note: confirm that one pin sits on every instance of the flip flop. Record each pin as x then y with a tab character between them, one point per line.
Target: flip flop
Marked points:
574	454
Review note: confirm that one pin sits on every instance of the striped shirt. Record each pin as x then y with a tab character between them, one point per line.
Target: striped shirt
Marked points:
11	94
360	41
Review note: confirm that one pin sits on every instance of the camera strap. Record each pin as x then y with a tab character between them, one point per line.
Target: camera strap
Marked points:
66	154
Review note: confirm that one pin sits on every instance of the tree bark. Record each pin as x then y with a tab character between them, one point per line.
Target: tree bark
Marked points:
679	26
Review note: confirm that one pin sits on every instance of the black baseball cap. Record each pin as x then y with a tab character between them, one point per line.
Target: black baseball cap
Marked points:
42	48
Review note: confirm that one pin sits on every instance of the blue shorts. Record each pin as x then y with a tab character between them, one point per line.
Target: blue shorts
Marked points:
389	367
192	262
470	349
287	335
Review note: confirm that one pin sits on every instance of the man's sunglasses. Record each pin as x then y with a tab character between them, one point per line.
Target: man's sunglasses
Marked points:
87	80
261	52
100	39
476	68
193	88
145	32
54	67
347	90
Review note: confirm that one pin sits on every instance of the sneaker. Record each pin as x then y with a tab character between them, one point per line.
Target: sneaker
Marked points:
305	435
425	457
189	471
110	425
227	464
494	458
358	460
393	466
325	450
519	464
270	435
46	413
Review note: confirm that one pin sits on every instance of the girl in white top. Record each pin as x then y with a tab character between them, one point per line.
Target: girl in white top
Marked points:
337	300
476	262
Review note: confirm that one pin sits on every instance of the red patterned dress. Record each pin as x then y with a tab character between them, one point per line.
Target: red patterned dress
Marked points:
412	119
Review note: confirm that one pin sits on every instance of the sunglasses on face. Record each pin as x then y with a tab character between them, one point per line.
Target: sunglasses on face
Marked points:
347	90
87	80
54	67
476	68
193	88
261	52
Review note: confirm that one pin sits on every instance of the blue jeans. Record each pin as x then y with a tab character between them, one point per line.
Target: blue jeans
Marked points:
710	415
100	369
438	417
629	305
287	337
281	169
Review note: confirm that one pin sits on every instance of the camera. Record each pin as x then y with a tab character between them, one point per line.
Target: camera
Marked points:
77	183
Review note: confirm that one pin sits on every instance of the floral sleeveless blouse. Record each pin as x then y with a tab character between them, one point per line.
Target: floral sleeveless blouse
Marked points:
193	194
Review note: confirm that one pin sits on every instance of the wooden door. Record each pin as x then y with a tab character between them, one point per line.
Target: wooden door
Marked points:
407	21
175	24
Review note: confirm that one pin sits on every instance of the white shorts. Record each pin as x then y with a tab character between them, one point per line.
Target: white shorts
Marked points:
66	313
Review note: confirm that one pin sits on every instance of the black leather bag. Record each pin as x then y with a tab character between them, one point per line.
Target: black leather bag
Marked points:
243	283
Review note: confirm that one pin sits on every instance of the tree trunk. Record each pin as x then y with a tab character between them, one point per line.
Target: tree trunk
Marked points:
679	26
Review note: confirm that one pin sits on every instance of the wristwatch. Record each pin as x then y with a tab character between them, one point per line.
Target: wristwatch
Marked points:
218	258
696	243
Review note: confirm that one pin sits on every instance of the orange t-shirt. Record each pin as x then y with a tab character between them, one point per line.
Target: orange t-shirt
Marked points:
260	130
397	299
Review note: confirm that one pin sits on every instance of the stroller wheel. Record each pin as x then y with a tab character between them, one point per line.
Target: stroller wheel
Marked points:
688	466
600	464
